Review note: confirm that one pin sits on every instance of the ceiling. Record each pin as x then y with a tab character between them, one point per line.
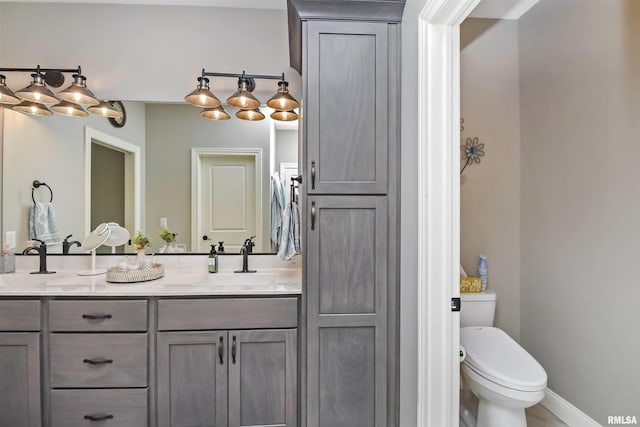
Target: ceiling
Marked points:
253	4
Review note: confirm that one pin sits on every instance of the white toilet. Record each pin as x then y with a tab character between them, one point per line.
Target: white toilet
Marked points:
505	378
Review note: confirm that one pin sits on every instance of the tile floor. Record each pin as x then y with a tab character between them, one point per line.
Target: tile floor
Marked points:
537	416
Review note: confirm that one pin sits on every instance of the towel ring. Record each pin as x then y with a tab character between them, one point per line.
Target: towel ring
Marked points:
37	184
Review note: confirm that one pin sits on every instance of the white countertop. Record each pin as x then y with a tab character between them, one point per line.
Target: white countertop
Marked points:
176	282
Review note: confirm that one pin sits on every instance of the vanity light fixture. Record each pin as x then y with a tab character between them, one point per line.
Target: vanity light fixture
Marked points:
243	98
202	95
7	97
284	116
37	91
33	108
33	98
67	108
251	115
78	93
105	109
215	114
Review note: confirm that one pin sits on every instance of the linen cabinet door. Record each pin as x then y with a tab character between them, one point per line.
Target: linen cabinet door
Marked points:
262	378
347	312
192	379
20	380
346	117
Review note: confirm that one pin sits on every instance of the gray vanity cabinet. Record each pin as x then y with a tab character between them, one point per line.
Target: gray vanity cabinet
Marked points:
20	379
262	378
346	111
192	379
20	402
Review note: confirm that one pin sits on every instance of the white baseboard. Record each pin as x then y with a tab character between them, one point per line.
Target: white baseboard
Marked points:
564	410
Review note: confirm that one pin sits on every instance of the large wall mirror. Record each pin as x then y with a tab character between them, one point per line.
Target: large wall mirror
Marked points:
209	181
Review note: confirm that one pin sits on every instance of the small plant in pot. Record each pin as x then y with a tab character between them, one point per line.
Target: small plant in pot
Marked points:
169	238
140	241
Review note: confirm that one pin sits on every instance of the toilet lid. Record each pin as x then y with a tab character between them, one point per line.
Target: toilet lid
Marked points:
496	356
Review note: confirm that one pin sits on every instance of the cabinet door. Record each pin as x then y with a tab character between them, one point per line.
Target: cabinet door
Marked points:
347	312
192	379
346	114
262	378
20	380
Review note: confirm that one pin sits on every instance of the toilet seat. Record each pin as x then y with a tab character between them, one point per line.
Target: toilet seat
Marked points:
495	356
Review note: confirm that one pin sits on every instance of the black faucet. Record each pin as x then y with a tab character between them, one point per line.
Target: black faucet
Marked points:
246	249
41	250
66	245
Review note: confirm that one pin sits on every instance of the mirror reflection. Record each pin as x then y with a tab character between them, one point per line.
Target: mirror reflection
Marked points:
205	181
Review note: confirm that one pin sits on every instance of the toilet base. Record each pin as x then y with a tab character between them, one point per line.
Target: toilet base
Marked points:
491	415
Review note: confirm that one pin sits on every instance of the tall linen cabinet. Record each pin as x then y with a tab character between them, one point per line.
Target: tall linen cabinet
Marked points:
349	56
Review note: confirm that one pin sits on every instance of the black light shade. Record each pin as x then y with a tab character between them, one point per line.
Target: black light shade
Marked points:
202	97
37	91
7	97
78	93
215	114
282	100
33	108
251	115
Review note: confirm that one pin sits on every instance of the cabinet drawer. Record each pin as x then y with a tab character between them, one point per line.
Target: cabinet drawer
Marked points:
19	315
96	315
227	313
118	408
98	360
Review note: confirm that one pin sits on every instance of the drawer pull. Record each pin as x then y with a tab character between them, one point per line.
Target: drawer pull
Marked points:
96	316
100	417
221	351
98	361
313	175
313	215
234	345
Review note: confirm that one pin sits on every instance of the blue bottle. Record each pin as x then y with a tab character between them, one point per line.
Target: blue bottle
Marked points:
482	271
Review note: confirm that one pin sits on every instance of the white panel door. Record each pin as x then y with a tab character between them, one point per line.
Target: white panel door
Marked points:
228	208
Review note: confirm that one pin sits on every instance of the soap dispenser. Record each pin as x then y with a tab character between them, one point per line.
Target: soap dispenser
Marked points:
8	260
213	260
221	247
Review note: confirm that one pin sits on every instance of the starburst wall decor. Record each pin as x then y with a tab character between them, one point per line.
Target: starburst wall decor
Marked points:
471	151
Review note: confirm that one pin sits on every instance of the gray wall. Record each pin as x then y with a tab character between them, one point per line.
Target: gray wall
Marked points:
286	147
490	191
172	130
148	53
580	86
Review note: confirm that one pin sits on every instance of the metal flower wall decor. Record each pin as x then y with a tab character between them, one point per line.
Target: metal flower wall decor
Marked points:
471	151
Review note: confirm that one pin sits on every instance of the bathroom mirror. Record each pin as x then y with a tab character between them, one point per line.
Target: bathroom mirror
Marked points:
182	159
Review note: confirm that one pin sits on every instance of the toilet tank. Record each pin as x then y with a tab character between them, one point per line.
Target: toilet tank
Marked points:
478	308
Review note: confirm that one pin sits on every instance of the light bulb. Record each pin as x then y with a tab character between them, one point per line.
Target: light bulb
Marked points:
37	96
33	109
282	103
70	110
76	96
216	114
203	99
243	101
104	111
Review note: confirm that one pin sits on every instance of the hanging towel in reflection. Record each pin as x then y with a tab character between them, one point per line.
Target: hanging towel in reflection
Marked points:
42	223
290	242
277	208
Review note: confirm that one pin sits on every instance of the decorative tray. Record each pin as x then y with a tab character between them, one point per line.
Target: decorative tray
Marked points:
118	275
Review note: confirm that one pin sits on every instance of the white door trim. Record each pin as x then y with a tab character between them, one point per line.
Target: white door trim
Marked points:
439	209
197	153
132	173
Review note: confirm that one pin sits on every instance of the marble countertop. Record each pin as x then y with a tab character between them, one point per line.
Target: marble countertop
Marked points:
176	282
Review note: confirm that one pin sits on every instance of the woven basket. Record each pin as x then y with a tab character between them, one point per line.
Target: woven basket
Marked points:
116	275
